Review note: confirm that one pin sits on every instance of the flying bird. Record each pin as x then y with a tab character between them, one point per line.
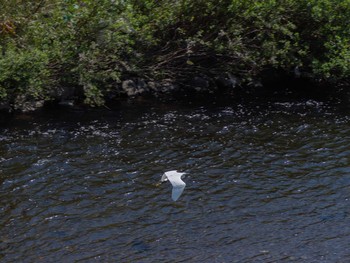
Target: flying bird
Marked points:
175	179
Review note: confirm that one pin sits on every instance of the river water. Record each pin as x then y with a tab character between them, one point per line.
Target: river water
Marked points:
266	182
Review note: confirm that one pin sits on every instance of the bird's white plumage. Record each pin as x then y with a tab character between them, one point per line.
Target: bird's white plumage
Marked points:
175	179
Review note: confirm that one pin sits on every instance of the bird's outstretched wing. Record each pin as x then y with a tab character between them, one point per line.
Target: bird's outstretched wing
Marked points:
177	191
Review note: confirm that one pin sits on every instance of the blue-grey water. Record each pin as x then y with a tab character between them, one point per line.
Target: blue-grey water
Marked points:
266	182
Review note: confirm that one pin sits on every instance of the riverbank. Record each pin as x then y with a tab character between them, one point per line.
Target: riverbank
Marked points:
273	86
282	90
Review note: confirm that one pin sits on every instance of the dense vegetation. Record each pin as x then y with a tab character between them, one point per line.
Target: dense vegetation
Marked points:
49	46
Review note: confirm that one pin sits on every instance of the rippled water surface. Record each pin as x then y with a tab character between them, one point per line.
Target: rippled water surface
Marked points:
266	182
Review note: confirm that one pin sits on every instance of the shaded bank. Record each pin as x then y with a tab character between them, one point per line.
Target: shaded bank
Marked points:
271	86
280	89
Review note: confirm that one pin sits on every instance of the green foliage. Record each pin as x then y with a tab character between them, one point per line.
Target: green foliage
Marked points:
65	43
24	72
91	45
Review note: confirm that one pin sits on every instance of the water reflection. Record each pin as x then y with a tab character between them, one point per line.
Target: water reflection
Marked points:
265	183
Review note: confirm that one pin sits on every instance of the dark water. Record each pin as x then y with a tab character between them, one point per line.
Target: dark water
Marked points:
266	182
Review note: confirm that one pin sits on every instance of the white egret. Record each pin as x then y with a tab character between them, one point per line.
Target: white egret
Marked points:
175	179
